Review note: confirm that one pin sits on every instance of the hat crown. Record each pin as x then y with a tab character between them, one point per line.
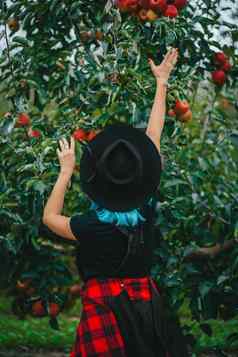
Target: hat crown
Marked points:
121	163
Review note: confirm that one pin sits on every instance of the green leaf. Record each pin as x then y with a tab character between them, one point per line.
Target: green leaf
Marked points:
206	328
205	287
53	322
21	40
174	182
40	187
222	278
236	230
232	338
7	127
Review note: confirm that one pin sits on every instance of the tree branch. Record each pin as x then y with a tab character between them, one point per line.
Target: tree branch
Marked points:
211	252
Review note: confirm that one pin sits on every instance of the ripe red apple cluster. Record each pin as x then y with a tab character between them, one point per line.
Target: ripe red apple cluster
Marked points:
223	65
38	309
24	120
181	110
81	134
150	10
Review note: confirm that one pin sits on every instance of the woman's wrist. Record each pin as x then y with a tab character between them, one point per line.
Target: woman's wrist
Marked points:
65	175
162	80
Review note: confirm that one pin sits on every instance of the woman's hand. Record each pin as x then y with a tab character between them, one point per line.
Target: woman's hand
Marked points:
67	156
163	70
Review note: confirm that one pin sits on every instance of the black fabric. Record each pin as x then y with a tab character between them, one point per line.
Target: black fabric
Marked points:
111	195
102	247
147	328
136	325
168	328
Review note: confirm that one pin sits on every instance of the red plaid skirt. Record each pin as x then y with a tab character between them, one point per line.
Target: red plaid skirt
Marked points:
98	333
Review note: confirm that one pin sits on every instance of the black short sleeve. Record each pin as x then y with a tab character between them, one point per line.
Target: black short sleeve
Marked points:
77	224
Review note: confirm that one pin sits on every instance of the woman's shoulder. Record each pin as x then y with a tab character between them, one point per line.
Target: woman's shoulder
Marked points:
89	222
81	217
81	222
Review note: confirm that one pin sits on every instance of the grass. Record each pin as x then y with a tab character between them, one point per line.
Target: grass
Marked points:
220	331
37	333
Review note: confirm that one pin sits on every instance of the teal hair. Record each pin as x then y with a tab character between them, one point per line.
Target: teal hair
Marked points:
129	218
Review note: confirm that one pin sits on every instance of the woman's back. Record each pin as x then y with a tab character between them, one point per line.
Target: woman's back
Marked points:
102	247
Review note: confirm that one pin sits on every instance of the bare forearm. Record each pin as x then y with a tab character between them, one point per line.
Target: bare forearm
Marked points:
55	202
157	116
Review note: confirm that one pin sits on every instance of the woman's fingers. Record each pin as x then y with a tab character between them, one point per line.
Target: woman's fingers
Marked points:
168	54
61	144
172	59
171	55
66	144
72	143
152	64
58	152
175	55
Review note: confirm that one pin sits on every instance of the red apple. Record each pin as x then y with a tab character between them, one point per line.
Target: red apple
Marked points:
181	107
99	35
33	133
219	77
127	5
158	5
54	309
180	3
145	4
226	67
23	119
171	11
92	134
187	116
220	58
171	113
38	309
80	134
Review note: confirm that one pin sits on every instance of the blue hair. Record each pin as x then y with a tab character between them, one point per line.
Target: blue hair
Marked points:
129	218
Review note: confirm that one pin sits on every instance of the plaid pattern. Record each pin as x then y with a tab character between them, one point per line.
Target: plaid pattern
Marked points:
98	333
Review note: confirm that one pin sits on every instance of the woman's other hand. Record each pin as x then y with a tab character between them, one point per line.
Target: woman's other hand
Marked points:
163	70
67	155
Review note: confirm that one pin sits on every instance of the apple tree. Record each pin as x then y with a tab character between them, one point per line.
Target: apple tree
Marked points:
72	67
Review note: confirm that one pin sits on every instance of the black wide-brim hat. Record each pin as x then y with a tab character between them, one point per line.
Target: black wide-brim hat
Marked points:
120	168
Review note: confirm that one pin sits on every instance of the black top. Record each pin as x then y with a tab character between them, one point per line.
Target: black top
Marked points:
102	247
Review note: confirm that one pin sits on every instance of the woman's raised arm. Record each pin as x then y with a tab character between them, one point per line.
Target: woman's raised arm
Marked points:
161	73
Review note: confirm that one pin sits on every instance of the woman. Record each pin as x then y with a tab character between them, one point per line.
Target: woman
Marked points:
120	172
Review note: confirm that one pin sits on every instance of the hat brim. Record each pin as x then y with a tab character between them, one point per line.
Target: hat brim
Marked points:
114	197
